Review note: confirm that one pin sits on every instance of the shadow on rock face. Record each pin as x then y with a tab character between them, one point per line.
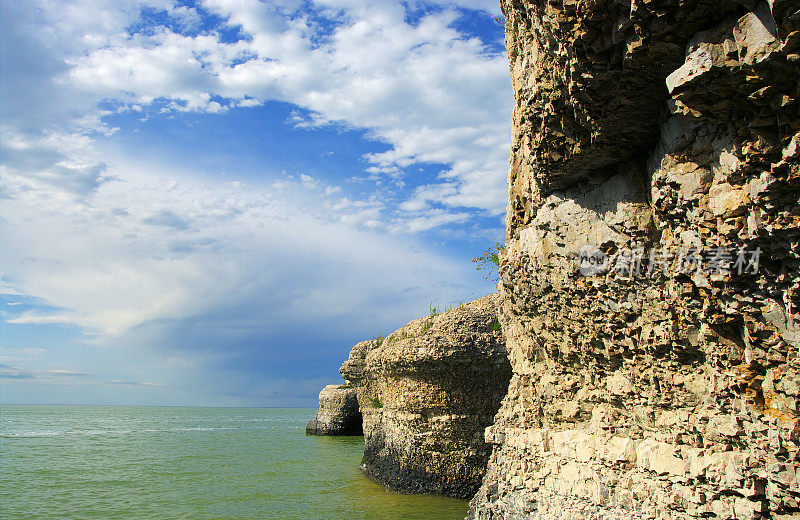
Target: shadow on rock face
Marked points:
338	412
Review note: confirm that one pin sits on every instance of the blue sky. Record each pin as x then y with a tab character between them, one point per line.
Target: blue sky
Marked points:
210	202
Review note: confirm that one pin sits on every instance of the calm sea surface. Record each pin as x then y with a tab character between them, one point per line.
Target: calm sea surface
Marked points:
98	462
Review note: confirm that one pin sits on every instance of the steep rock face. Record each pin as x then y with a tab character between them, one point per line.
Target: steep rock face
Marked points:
338	412
655	161
427	392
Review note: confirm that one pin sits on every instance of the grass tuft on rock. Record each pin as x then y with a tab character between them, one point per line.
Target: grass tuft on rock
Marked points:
496	325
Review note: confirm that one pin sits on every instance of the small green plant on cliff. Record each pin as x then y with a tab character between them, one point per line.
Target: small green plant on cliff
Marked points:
345	386
496	325
391	338
378	338
490	261
375	402
428	323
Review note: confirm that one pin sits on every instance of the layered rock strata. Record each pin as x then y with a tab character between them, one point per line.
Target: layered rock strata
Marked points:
338	412
427	392
651	279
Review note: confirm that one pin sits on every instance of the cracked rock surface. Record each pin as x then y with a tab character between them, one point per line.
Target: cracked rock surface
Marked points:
670	390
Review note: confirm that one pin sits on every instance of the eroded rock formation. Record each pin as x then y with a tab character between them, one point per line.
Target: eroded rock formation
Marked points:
658	376
427	392
338	412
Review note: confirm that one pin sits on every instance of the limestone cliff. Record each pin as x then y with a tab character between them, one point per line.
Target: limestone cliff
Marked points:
338	412
650	283
427	392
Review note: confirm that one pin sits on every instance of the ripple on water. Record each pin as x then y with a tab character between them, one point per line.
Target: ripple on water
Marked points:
174	463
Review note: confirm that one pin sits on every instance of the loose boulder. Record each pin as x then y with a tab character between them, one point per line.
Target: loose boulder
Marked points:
338	412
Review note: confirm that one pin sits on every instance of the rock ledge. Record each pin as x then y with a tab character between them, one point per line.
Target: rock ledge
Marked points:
427	392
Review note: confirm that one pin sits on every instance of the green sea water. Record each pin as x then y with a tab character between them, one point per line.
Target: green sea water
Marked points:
119	462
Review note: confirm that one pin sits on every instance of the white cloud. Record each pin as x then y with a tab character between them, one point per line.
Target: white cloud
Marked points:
9	289
187	17
430	93
120	246
175	249
431	219
52	165
15	355
14	372
35	318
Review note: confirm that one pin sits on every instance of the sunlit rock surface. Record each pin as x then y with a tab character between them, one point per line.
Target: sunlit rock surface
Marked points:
648	382
427	392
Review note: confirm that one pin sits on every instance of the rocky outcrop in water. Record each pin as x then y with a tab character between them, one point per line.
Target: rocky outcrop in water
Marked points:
338	412
651	279
427	392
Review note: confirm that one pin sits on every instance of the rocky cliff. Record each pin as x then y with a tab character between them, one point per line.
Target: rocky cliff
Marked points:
651	278
427	392
338	412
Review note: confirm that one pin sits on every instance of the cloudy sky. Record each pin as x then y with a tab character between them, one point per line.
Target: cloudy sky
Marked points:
209	202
